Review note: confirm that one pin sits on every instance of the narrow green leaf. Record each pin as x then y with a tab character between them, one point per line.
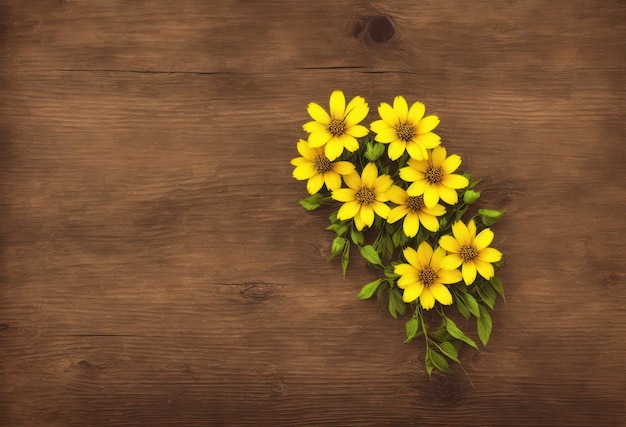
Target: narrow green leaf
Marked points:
439	361
338	246
458	334
472	304
471	196
411	328
373	150
399	238
345	257
497	285
428	363
448	349
486	292
312	202
369	289
396	305
489	216
484	325
369	253
356	236
462	307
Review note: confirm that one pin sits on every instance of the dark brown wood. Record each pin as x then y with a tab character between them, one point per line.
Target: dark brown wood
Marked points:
156	268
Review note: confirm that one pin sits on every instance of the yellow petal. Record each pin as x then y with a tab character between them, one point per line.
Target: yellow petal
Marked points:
489	254
401	108
429	222
356	102
455	181
405	269
424	254
357	131
313	126
437	156
410	174
349	142
356	114
471	229
333	148
441	293
411	224
407	280
396	149
396	214
448	195
449	277
461	234
367	215
343	168
427	124
306	151
388	114
386	135
428	140
353	181
382	184
416	150
332	180
411	293
369	175
318	113
451	163
431	196
343	195
450	262
314	184
299	161
410	255
485	269
319	138
379	126
450	244
337	105
359	222
304	171
427	299
416	112
381	209
417	188
397	195
348	210
469	272
436	210
483	239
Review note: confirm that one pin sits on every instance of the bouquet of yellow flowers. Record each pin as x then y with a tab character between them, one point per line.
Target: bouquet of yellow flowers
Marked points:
401	201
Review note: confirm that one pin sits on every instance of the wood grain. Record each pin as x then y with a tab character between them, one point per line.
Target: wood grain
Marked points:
156	268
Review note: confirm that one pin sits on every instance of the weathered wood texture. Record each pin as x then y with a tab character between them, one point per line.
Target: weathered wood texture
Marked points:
157	270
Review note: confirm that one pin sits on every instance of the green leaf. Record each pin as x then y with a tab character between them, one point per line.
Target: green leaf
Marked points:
369	253
338	246
471	196
333	217
345	257
497	285
356	236
428	364
396	305
339	227
472	304
389	273
312	202
487	294
439	361
458	334
462	307
484	325
373	150
448	349
411	328
369	289
489	216
399	238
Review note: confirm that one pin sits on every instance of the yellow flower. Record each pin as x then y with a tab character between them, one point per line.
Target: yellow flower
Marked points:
424	278
406	129
414	212
364	197
340	129
433	177
470	250
315	166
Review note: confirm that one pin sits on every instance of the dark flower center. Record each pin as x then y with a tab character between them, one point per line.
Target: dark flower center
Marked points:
468	253
415	203
322	164
427	276
434	175
365	195
337	127
405	131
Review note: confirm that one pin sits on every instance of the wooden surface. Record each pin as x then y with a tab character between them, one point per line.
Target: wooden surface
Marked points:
156	268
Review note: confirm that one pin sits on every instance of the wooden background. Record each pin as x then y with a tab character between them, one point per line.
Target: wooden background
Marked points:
156	268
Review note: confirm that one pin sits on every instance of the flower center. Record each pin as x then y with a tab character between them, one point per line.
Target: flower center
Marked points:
427	276
322	164
468	253
405	131
415	203
365	195
434	175
336	127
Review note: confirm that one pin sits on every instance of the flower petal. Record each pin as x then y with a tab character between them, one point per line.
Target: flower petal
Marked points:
449	243
379	126
353	181
420	165
471	229
343	168
416	150
449	277
356	114
448	195
396	149
407	280
401	108
417	188
411	293
411	224
451	262
429	222
357	131
410	174
438	255
489	254
332	180
427	299
424	254
455	181
388	114
485	269
369	175
344	195
313	126
367	215
381	209
304	171
306	150
461	234
386	135
333	148
382	184
441	293
469	272
348	210
436	210
318	113
428	140
431	196
397	195
356	102
427	124
410	255
396	214
359	222
451	163
405	269
437	156
314	184
483	239
337	105
319	138
349	142
416	112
